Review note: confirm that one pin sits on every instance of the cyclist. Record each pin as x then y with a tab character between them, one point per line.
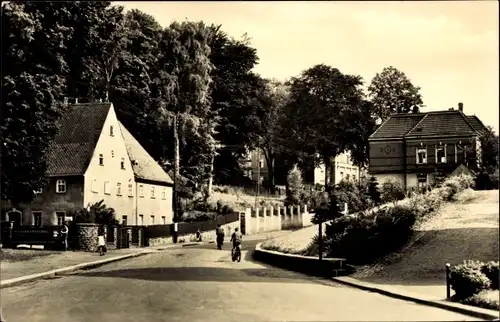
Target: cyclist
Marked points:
236	239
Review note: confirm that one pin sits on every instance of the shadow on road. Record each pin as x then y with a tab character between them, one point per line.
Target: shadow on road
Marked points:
204	274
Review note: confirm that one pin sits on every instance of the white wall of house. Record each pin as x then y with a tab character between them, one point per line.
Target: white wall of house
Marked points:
109	179
154	204
382	178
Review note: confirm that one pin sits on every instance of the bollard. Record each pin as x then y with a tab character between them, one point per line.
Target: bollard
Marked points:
448	286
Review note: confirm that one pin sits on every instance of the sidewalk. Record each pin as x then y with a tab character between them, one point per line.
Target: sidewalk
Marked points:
41	264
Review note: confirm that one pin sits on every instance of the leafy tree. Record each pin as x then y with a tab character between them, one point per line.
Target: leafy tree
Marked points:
361	125
324	101
392	92
392	191
232	92
296	185
489	150
35	36
97	213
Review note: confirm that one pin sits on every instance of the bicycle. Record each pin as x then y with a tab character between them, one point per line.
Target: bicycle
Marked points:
236	253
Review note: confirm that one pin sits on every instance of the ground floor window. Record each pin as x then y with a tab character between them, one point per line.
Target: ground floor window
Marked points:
61	216
37	218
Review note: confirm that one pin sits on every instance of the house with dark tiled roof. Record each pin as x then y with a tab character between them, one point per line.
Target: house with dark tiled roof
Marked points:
416	149
92	158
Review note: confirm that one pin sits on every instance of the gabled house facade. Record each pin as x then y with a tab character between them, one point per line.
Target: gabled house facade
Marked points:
417	149
93	158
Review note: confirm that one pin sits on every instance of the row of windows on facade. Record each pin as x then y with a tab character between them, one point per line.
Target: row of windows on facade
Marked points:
61	219
61	188
440	155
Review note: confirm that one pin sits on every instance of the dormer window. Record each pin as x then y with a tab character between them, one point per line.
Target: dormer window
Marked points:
421	155
122	163
101	159
111	131
61	186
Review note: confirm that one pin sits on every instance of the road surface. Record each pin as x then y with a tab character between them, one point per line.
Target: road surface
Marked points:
201	283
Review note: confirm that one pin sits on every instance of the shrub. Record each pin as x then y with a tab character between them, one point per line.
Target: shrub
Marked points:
491	271
373	191
485	299
392	191
467	279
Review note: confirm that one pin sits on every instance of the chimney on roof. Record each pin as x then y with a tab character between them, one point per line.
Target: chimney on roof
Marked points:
461	107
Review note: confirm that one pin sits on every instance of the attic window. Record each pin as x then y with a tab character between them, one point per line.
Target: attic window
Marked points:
122	163
111	132
101	159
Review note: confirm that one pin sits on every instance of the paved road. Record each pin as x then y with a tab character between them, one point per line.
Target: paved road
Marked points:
201	283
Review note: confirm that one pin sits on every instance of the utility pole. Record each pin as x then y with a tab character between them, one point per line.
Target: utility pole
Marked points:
176	166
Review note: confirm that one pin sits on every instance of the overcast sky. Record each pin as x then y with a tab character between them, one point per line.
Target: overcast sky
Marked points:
449	49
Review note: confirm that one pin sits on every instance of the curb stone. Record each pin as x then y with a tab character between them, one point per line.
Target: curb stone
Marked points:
407	296
478	312
88	265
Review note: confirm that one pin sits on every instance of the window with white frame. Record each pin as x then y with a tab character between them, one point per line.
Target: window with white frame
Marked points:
61	216
440	154
101	159
163	220
421	155
107	187
94	187
61	186
141	191
164	194
130	190
152	219
141	220
118	188
153	192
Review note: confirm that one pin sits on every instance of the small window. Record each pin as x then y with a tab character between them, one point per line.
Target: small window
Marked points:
440	154
164	194
130	190
141	191
421	156
111	131
101	159
112	153
37	218
141	220
61	186
261	164
61	216
163	220
124	220
152	219
118	188
153	192
94	186
107	188
122	163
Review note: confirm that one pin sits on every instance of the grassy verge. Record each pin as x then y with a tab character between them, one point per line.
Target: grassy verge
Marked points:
18	255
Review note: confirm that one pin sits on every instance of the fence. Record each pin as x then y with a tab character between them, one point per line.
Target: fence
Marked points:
168	234
49	237
259	220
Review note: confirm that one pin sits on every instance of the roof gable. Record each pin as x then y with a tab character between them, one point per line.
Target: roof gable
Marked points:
443	123
143	164
79	129
476	123
397	126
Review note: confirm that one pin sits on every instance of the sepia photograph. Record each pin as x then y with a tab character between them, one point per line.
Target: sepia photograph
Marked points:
249	161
